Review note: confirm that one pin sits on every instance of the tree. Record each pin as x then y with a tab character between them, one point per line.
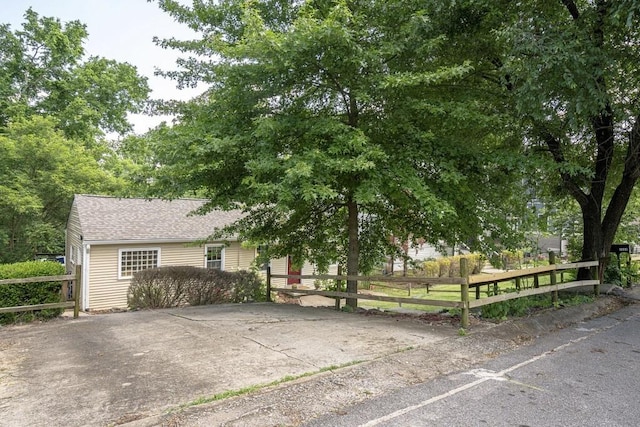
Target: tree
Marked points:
334	125
55	107
569	68
43	72
40	172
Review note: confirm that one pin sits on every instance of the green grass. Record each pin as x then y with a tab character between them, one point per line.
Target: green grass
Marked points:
246	390
446	292
440	292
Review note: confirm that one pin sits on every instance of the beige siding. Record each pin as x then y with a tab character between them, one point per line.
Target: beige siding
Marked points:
74	232
237	257
104	289
107	291
278	266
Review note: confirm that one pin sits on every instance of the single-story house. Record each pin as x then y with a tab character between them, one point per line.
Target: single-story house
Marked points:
110	238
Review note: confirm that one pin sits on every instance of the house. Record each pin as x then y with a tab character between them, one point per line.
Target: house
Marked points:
110	238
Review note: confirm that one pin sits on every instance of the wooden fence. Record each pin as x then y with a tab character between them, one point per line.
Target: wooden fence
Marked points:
466	283
65	279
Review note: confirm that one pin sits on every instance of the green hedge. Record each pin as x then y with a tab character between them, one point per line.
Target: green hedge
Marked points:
13	295
174	286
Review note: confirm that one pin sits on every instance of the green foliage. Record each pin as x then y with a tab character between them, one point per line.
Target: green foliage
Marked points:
517	307
322	112
623	275
43	73
568	70
30	293
177	285
40	171
55	106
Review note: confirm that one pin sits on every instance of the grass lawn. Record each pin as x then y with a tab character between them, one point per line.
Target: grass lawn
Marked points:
441	292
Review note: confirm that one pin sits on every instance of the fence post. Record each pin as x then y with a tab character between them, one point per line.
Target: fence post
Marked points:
595	275
76	292
338	287
464	273
552	278
269	283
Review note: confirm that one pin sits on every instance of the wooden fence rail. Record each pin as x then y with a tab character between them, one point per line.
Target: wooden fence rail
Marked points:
466	282
66	278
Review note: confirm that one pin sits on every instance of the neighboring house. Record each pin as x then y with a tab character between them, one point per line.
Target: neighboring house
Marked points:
109	239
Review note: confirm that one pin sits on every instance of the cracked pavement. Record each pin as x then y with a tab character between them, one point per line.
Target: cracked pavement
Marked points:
108	369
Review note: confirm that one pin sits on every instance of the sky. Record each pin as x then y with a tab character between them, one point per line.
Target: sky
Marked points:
122	30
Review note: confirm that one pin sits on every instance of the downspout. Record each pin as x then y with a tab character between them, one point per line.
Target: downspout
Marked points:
85	276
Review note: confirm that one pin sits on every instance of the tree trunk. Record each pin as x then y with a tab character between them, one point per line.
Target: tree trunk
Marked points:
353	253
592	245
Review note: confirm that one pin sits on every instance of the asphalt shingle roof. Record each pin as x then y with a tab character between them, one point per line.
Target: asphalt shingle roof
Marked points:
116	219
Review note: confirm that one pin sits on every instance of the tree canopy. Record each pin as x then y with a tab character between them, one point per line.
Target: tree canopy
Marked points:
335	125
571	70
41	170
55	108
43	72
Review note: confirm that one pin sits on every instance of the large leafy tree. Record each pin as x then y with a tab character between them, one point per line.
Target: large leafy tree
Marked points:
43	71
41	170
335	125
55	108
570	70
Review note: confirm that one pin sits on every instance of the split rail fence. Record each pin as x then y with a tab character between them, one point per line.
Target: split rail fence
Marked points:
466	282
66	279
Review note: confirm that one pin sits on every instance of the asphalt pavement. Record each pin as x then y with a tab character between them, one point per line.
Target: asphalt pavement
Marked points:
114	368
585	375
242	365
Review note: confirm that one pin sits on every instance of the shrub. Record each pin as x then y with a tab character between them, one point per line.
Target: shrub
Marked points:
158	287
431	268
450	266
12	295
444	264
517	307
248	286
179	285
622	275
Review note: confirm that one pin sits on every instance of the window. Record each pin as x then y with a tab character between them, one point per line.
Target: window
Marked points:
215	257
134	260
72	254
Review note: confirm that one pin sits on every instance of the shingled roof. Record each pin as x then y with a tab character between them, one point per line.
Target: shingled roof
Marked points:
120	219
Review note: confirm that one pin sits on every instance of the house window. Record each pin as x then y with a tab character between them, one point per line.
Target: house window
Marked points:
72	254
215	257
134	260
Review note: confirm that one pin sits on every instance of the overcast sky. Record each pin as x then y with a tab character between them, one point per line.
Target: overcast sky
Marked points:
118	29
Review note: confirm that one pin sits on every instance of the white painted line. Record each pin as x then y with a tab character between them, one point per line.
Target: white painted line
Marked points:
484	375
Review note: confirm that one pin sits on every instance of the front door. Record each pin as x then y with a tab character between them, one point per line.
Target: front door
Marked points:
290	270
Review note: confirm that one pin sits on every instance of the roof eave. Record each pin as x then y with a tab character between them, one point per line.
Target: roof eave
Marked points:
154	241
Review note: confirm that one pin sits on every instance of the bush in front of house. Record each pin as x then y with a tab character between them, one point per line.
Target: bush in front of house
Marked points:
248	286
12	295
158	287
174	286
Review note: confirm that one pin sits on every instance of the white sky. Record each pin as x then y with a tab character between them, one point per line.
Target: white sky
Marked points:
122	30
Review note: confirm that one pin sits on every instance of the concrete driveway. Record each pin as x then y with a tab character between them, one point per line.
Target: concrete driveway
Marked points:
109	369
